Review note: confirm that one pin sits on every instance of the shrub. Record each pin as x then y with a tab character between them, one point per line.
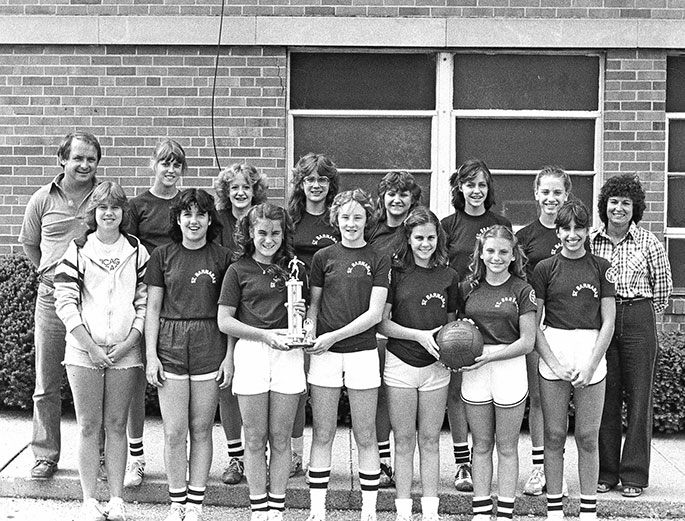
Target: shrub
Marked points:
18	285
669	398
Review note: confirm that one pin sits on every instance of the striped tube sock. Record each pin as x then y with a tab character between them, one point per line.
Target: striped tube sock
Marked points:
235	449
588	507
135	447
555	506
462	454
368	482
505	508
259	503
277	502
196	495
318	486
482	505
178	495
538	455
384	449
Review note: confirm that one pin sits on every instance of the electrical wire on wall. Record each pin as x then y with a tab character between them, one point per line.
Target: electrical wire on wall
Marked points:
216	72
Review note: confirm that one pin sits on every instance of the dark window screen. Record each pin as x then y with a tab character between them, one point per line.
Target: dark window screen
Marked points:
362	81
676	146
523	144
369	182
367	143
515	199
676	254
675	84
511	81
676	197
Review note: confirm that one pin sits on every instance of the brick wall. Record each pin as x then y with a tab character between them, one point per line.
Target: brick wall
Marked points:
130	97
592	9
634	124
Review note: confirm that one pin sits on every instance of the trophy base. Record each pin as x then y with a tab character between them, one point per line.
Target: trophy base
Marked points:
299	344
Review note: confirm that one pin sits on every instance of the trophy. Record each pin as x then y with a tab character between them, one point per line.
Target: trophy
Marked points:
299	330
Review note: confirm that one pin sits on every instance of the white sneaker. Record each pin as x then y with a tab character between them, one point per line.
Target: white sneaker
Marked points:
193	512
275	515
259	516
430	517
115	510
175	512
316	517
135	472
536	482
368	516
402	517
90	511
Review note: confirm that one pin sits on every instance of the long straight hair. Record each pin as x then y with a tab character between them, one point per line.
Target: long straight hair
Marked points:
404	256
497	231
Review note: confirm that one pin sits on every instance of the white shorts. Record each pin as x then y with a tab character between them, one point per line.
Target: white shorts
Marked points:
192	377
503	382
572	347
400	374
260	369
359	370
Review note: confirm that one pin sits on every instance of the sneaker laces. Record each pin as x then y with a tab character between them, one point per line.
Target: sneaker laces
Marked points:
464	472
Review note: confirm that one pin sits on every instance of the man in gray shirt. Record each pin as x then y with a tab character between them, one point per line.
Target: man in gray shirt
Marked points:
54	216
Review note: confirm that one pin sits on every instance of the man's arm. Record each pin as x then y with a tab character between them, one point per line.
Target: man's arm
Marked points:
33	253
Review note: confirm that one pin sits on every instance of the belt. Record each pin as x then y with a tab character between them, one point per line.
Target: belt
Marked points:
632	300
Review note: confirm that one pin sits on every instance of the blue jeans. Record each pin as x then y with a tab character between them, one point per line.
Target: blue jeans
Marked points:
631	368
49	339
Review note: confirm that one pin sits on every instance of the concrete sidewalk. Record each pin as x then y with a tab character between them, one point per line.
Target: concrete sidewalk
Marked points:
664	498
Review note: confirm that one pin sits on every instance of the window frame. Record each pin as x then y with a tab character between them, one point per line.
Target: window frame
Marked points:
672	233
444	120
291	114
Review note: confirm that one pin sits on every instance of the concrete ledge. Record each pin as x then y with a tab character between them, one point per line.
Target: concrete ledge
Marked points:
664	499
433	33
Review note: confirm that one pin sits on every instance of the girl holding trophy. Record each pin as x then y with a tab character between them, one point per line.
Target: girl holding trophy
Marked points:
349	288
268	365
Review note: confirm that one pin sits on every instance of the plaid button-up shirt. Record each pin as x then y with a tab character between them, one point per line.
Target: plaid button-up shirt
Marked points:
639	264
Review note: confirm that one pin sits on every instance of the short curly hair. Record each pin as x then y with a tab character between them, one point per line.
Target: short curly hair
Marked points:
623	185
400	181
223	181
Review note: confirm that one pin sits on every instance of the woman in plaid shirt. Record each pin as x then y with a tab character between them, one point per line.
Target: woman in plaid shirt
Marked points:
643	282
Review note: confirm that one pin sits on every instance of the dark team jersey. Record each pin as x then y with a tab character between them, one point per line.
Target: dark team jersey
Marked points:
573	289
191	279
347	276
538	243
384	238
229	223
313	233
421	298
462	231
150	219
258	297
496	309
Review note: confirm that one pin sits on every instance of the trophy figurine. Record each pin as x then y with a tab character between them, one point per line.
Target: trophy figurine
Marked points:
299	330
